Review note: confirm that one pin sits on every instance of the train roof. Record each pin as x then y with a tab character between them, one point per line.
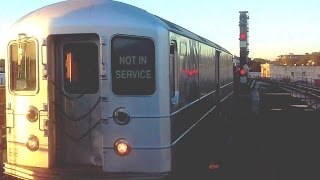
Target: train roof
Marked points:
95	12
182	31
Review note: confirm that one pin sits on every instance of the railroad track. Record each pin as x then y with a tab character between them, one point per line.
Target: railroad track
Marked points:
307	93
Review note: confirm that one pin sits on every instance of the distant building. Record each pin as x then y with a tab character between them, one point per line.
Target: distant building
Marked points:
294	73
292	56
236	61
265	70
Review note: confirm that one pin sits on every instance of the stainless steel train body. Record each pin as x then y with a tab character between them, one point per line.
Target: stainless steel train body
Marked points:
105	86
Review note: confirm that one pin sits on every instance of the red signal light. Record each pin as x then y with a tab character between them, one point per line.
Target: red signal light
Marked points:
243	36
242	72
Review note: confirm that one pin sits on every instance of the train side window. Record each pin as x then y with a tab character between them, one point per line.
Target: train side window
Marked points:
23	66
81	68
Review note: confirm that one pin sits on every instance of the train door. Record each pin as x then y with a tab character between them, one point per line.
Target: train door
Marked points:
76	99
26	112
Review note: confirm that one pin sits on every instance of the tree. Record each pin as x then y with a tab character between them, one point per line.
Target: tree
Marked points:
2	63
315	57
254	65
307	60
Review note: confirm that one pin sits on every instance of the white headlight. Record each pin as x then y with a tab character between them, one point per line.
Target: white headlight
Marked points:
32	114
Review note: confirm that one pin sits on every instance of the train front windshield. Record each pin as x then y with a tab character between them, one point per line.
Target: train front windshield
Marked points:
81	68
23	66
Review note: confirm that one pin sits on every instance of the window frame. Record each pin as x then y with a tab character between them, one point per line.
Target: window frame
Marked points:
111	66
9	83
62	45
173	67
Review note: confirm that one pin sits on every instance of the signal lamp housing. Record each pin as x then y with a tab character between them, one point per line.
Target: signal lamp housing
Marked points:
242	72
243	36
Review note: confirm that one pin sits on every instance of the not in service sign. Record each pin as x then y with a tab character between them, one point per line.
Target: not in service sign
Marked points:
133	66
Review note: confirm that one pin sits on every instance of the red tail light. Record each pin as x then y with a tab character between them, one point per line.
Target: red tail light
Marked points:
122	147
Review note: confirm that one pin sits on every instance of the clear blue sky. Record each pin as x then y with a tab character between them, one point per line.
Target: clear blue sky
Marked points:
276	27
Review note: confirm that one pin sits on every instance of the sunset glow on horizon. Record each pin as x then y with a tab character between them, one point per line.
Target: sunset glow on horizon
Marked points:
275	27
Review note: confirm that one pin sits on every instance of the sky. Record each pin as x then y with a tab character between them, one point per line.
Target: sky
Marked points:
275	27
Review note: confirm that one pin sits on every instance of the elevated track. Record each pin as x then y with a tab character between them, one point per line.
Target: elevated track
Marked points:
308	94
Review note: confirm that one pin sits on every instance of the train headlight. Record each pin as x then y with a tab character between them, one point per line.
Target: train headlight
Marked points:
121	116
122	147
32	114
33	143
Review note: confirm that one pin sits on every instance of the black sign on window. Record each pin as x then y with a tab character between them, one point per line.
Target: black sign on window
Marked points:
133	66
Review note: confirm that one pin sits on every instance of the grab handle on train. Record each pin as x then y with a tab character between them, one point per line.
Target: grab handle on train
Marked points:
43	120
9	118
175	98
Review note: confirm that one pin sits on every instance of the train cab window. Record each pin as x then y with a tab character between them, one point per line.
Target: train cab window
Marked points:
133	65
81	72
23	65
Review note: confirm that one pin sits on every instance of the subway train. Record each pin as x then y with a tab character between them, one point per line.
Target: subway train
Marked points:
103	88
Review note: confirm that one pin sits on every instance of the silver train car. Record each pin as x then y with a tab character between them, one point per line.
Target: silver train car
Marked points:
102	88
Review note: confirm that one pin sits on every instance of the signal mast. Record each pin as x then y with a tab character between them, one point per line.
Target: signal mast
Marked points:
244	49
